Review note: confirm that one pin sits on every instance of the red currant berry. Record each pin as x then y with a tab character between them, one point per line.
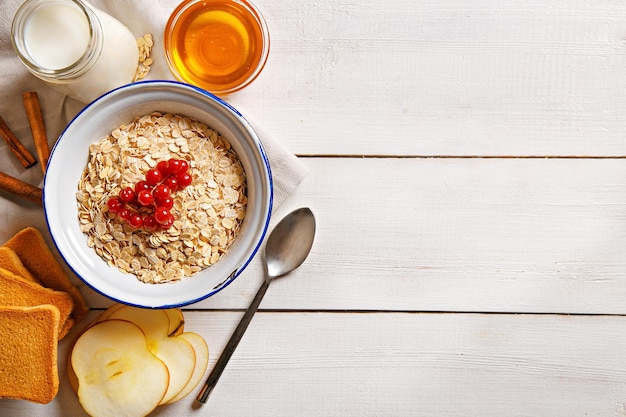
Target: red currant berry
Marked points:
150	223
135	221
174	166
162	167
114	204
184	179
153	176
161	214
167	202
145	198
142	185
161	192
124	214
168	223
184	165
171	182
127	195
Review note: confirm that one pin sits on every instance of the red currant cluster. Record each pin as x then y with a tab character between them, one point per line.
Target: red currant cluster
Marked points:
153	192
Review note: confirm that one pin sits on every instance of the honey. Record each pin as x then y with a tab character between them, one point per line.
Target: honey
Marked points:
217	45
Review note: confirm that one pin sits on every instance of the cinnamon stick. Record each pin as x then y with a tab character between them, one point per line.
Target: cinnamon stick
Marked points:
38	127
21	189
21	153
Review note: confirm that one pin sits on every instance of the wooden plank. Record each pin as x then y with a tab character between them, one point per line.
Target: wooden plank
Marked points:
448	77
403	364
442	77
500	235
505	235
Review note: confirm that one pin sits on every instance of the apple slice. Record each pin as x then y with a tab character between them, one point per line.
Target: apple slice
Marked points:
176	352
71	376
175	328
177	321
117	375
107	313
175	316
202	361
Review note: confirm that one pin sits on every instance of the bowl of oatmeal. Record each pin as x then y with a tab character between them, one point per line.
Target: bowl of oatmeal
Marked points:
158	194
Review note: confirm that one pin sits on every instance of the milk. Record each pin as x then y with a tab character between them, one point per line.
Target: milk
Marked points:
54	41
56	36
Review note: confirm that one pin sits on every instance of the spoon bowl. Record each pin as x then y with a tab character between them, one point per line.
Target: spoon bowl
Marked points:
289	243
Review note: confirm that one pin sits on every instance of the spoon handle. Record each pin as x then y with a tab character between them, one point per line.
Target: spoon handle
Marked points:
228	351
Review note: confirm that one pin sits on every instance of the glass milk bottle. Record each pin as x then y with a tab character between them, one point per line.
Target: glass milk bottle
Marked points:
75	48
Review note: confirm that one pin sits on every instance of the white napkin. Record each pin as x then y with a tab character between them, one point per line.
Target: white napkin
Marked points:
287	170
141	17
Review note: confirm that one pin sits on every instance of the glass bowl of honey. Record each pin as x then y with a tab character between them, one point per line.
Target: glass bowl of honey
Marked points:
218	45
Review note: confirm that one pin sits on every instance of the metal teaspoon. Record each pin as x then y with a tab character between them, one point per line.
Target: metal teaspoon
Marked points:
287	247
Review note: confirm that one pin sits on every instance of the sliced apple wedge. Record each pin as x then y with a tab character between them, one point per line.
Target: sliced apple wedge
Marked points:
202	361
176	352
107	313
175	315
177	321
71	376
117	374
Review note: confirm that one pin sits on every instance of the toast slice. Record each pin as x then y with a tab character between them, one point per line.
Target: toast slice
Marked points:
28	358
11	262
16	291
32	249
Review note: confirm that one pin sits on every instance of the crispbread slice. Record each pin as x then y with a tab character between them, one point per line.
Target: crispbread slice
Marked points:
11	262
36	256
28	357
16	291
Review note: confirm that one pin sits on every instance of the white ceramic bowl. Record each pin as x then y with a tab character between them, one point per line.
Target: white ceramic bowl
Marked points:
68	160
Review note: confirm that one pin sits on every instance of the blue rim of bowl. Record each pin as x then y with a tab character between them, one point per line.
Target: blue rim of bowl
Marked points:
226	282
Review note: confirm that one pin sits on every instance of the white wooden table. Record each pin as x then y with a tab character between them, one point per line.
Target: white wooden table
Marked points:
469	183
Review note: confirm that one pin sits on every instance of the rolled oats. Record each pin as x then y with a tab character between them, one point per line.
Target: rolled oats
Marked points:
208	213
144	45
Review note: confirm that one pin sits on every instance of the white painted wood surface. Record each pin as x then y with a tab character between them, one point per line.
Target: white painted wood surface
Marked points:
446	77
430	278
